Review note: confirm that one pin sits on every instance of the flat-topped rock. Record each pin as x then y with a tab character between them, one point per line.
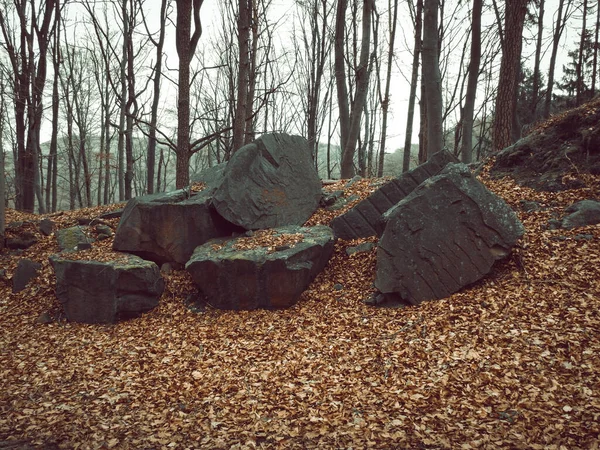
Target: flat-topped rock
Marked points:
167	227
93	291
444	236
269	269
366	218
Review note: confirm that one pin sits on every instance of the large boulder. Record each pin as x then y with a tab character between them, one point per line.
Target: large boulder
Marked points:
366	218
167	227
445	235
269	183
106	291
269	269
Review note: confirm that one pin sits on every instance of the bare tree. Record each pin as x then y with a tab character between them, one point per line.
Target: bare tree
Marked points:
159	44
563	12
385	101
186	42
418	21
33	32
432	78
3	115
469	106
509	74
350	125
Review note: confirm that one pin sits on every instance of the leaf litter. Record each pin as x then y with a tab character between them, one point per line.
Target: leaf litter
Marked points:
510	362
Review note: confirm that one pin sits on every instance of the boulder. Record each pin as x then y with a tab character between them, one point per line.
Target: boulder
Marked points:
581	214
167	227
69	239
212	177
46	226
366	218
269	269
106	292
20	240
269	183
445	235
26	271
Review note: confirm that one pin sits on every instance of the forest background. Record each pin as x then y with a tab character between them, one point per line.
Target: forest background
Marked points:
101	101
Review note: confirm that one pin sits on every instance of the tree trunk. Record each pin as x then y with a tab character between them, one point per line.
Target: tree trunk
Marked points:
239	121
536	68
596	47
186	46
414	81
468	110
558	29
362	86
340	71
151	162
388	78
432	78
579	67
509	74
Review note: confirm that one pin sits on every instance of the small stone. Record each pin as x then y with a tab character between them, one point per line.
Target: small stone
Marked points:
338	287
46	226
44	317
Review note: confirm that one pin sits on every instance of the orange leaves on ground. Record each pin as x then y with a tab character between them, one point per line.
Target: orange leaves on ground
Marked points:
510	362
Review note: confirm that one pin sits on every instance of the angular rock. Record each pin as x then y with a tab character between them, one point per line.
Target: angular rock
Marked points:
20	240
167	227
445	235
212	177
269	183
366	218
46	226
581	214
69	239
26	271
237	274
106	292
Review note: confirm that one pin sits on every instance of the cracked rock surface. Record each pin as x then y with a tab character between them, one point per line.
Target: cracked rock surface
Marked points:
269	183
444	236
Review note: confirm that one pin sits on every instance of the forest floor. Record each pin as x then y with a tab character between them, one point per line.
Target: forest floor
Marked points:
510	362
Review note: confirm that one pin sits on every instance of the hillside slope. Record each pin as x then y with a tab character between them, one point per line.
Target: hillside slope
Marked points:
511	362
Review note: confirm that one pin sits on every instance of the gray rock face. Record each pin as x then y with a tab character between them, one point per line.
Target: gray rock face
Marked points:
445	235
26	271
269	183
580	214
106	292
69	239
237	274
366	218
167	227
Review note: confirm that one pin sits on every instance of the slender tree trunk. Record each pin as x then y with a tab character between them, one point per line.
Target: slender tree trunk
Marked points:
156	99
239	121
388	78
51	177
579	67
423	124
186	43
362	86
123	105
340	71
3	115
469	108
558	29
536	68
509	74
432	78
596	47
414	81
